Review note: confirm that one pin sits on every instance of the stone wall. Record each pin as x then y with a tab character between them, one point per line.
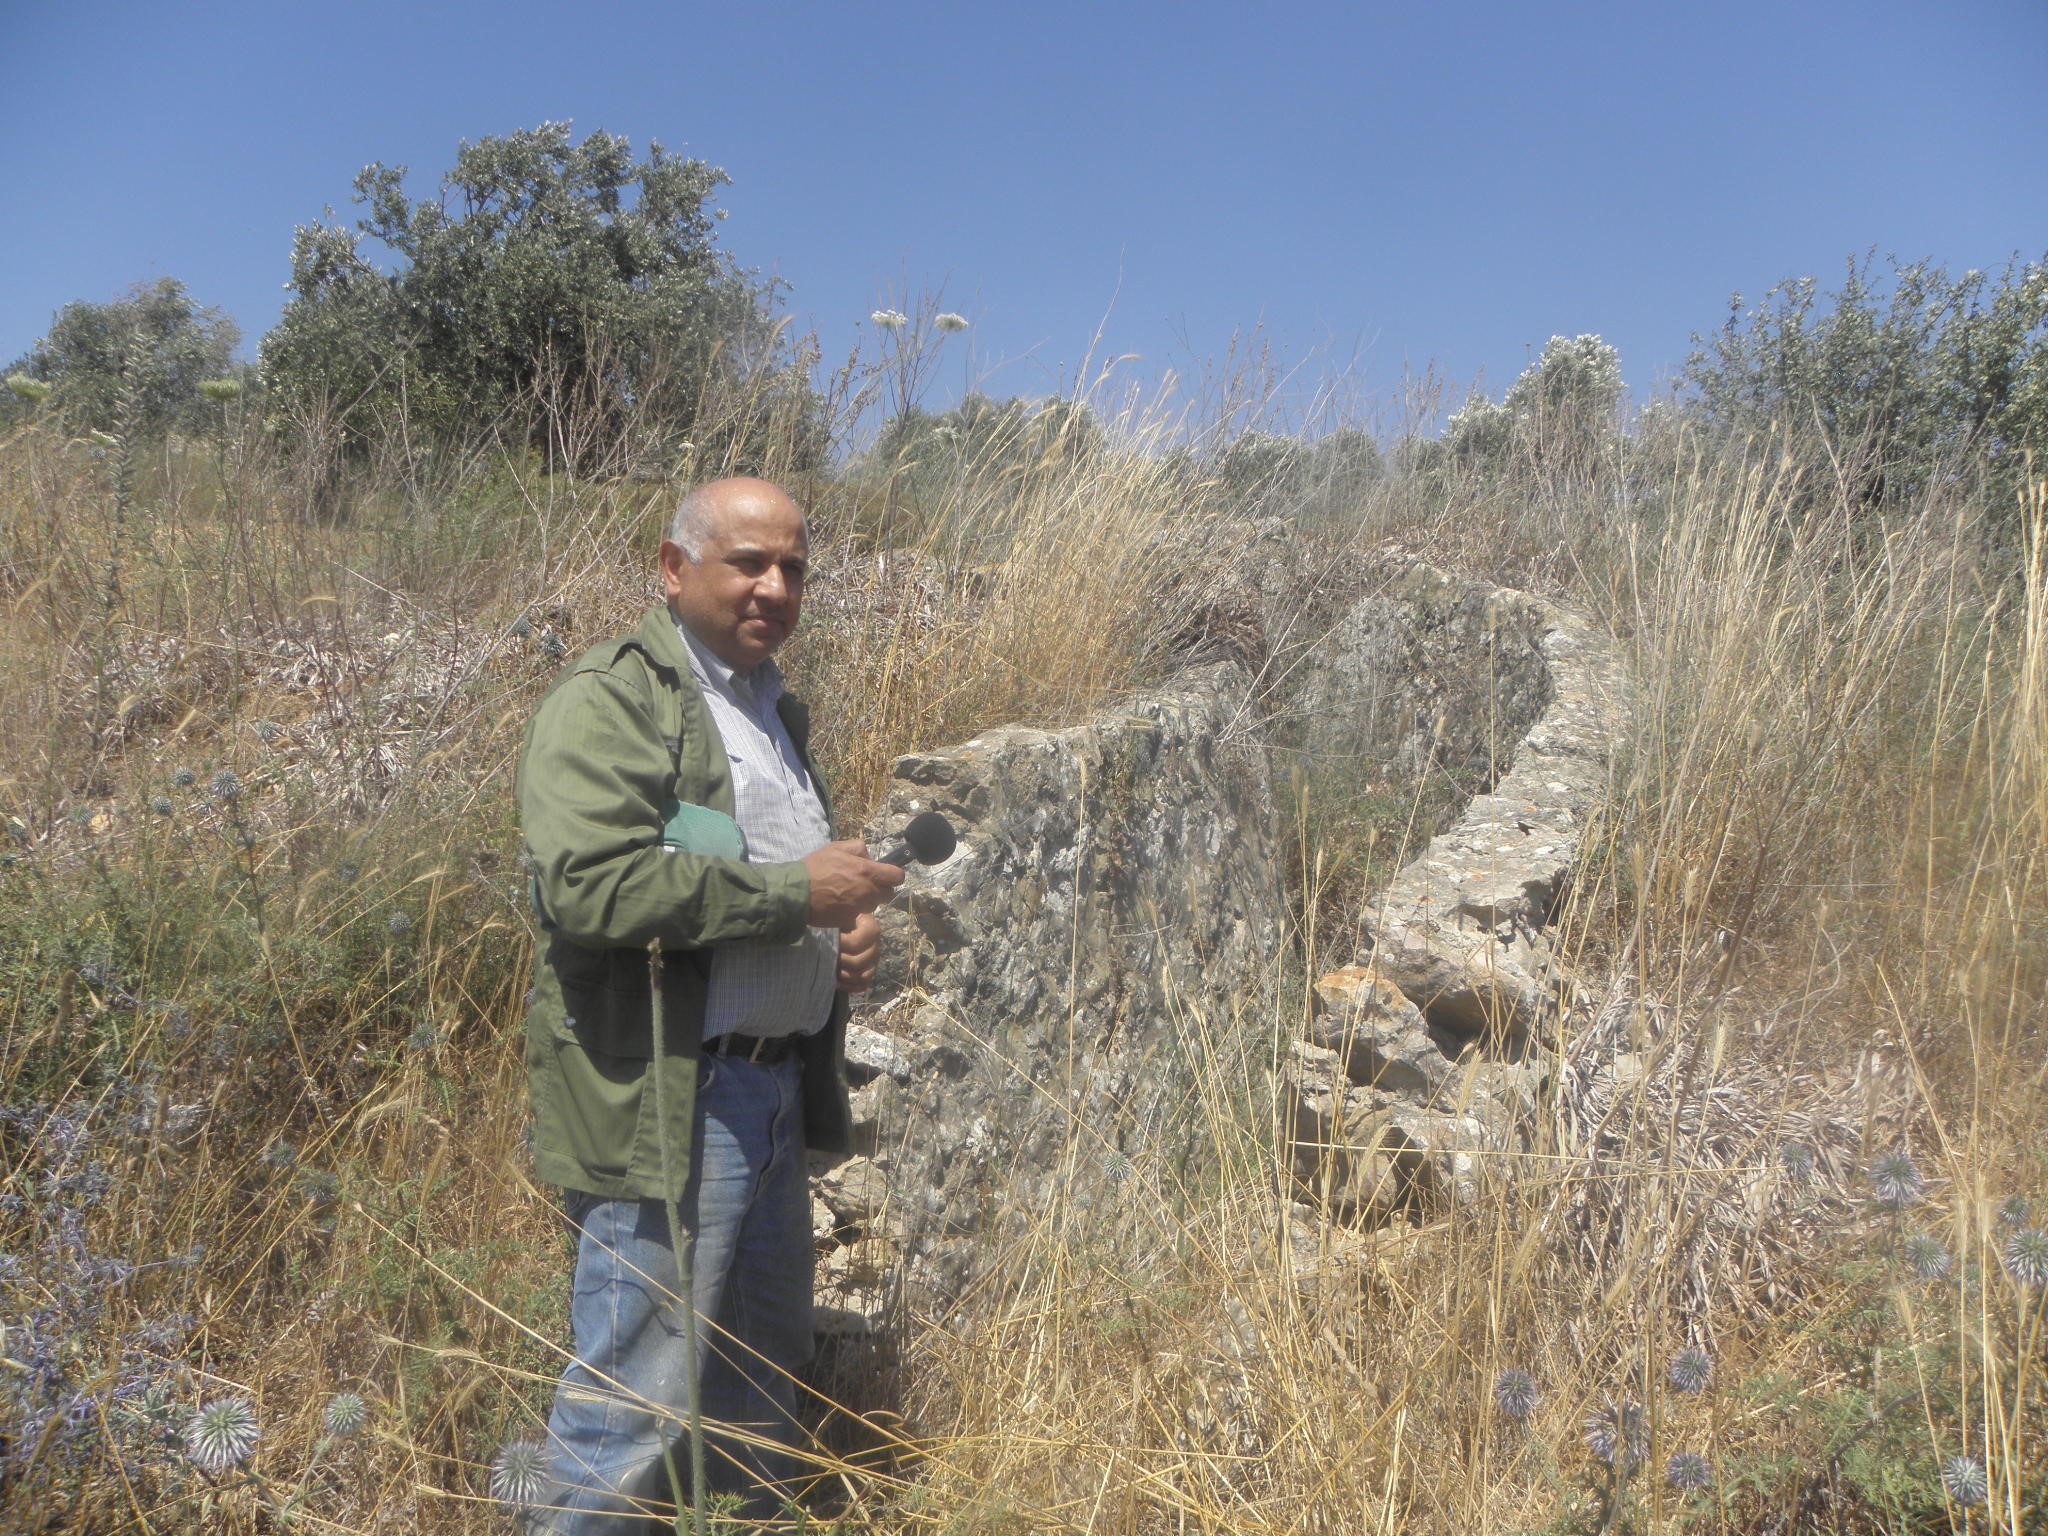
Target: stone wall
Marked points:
1030	1027
1118	888
1431	1054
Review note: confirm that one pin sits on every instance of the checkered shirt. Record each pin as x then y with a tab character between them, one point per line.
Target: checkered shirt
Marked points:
765	989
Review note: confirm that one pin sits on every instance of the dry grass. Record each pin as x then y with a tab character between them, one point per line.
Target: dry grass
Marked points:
285	1021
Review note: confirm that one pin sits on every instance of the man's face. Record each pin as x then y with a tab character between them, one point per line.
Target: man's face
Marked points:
741	597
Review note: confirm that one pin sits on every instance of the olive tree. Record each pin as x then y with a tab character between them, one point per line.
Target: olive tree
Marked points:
133	365
1899	382
561	293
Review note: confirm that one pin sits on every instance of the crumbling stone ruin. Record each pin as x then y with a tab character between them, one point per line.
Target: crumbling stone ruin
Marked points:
1056	987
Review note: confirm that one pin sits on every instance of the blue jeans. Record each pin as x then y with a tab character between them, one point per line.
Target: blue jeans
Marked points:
624	1400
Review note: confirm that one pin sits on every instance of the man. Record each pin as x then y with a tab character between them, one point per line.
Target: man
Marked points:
633	764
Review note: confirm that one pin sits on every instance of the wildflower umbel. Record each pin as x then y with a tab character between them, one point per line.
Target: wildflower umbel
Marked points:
950	322
1619	1434
2026	1256
1895	1179
1963	1477
890	319
346	1414
1927	1258
222	1434
519	1474
1689	1472
1515	1394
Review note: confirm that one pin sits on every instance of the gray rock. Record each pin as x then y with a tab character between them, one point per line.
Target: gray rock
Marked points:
1381	1037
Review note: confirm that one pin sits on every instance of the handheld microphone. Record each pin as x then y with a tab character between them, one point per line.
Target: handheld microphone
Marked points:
928	838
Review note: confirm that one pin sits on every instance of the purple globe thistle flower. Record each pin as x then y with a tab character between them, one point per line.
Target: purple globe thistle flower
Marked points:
519	1474
346	1414
1515	1394
224	786
1798	1160
183	778
2013	1212
1927	1258
1895	1179
1689	1472
222	1434
160	805
1691	1370
1963	1477
398	924
1619	1434
2026	1256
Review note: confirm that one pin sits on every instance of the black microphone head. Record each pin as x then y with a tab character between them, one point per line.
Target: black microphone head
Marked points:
931	838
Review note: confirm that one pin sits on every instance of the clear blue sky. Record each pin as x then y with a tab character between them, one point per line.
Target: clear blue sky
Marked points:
1381	187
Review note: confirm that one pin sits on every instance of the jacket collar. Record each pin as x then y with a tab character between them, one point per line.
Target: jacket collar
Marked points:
662	641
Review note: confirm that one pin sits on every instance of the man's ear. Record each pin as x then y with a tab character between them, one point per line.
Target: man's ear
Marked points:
672	560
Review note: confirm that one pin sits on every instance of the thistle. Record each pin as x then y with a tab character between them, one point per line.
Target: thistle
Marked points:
1691	1369
224	786
1927	1258
1619	1434
1515	1394
346	1414
2013	1211
183	778
222	1434
1963	1477
161	805
1798	1160
398	924
518	1475
1895	1179
2026	1256
1689	1472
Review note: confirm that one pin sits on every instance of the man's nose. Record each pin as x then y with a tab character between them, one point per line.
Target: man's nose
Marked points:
771	585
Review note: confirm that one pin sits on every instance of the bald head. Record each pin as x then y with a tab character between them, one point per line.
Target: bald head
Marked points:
700	514
733	567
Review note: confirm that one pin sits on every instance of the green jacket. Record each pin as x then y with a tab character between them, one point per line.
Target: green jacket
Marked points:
618	741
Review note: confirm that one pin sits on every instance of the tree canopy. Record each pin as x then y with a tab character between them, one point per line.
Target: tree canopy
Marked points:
1899	386
548	289
135	364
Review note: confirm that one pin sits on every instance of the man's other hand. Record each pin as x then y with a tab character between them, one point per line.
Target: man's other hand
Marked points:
860	947
846	884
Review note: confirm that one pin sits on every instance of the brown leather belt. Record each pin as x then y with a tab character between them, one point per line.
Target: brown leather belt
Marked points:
761	1050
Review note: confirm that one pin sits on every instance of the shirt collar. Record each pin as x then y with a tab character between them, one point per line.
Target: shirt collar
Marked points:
763	685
